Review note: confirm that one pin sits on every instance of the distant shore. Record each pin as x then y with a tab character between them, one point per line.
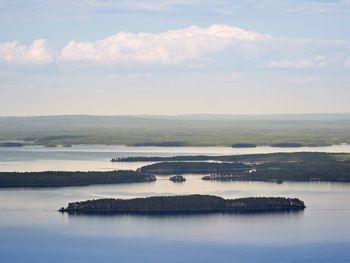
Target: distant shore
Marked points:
70	178
276	167
179	131
14	144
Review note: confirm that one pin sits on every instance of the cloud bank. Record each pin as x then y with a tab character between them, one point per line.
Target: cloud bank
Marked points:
37	53
178	46
170	47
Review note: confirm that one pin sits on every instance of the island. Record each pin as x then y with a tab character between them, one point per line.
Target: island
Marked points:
287	145
160	144
69	178
165	168
131	159
11	144
177	179
185	204
245	158
244	145
275	167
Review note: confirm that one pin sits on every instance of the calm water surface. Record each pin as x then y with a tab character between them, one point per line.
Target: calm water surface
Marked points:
31	230
96	157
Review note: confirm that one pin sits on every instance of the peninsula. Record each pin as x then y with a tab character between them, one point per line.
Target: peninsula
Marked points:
68	178
276	167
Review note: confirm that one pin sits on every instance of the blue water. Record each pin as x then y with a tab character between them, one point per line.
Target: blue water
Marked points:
31	230
96	157
49	246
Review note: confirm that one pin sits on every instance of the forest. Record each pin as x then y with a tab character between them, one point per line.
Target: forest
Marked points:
67	178
165	168
184	204
270	157
277	167
185	130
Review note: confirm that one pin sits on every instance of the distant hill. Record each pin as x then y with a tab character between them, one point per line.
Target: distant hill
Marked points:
184	130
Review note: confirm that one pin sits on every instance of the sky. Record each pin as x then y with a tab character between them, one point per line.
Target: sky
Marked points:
122	57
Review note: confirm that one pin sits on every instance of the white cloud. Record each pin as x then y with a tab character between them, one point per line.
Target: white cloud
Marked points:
169	47
216	46
37	53
314	62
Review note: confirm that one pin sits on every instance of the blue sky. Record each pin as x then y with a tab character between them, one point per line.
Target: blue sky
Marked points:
174	56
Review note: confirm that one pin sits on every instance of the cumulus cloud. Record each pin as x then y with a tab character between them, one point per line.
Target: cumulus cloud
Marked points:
314	62
37	53
198	47
169	47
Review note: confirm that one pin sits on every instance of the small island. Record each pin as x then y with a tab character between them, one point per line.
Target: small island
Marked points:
11	144
244	145
177	179
287	145
160	144
162	158
185	204
69	178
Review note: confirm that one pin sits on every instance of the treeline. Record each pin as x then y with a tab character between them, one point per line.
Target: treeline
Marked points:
244	145
11	144
163	159
177	178
271	157
336	171
184	204
67	178
287	145
277	167
331	171
160	144
210	130
165	168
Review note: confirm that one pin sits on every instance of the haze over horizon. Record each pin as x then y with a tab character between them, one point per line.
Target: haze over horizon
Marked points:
174	57
285	116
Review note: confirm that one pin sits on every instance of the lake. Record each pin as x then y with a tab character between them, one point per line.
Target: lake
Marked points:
33	231
96	157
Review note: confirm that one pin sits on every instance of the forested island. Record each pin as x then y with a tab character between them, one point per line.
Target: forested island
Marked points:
11	144
177	179
160	144
277	167
66	178
246	158
162	158
186	204
165	168
244	145
287	145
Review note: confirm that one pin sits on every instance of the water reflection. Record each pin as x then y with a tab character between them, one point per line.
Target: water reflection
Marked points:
223	228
